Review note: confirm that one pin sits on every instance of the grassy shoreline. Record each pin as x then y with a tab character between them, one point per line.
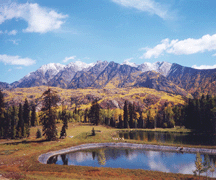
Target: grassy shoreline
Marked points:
18	158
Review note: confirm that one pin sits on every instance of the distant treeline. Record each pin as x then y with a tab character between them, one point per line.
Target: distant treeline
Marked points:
198	114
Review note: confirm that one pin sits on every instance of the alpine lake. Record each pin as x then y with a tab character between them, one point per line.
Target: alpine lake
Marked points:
174	162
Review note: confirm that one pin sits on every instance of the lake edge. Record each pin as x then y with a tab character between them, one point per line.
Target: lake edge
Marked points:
43	158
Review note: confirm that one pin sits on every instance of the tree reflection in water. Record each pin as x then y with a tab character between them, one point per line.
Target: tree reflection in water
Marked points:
64	159
93	155
52	160
101	157
166	137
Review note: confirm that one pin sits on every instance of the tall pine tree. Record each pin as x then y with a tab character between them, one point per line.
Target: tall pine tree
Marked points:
33	115
14	120
64	118
26	117
2	115
48	114
7	124
94	113
125	115
130	111
20	126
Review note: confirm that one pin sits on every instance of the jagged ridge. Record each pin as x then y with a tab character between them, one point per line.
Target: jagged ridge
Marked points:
162	76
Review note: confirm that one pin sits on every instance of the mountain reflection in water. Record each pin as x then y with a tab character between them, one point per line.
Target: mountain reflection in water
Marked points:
132	159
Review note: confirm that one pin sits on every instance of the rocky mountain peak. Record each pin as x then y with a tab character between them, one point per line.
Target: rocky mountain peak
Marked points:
160	67
53	68
79	65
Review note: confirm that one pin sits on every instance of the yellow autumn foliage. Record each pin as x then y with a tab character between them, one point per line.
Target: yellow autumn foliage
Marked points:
110	92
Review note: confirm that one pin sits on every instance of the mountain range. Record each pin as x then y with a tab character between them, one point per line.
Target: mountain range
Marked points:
162	76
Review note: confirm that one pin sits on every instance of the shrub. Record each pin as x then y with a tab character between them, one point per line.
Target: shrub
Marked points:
164	125
171	123
38	134
93	132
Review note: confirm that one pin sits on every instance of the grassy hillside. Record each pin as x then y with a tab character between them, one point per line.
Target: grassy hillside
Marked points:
112	97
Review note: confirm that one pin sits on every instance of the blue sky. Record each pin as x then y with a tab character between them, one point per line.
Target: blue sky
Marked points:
36	32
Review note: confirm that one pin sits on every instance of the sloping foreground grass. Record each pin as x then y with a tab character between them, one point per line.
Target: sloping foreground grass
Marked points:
18	158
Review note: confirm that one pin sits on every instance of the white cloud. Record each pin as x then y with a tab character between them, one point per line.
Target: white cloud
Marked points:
39	19
204	67
13	32
157	166
16	60
14	41
157	50
155	162
186	169
149	6
19	67
69	58
186	47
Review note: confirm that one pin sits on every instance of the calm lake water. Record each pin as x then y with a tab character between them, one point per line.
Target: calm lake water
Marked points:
132	159
174	138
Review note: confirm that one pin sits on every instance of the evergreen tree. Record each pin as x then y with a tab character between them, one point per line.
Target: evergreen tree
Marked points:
121	122
125	115
2	115
199	114
141	122
135	123
14	119
20	125
26	117
85	115
148	120
189	113
132	115
209	119
112	122
130	111
177	115
94	113
33	115
7	124
64	118
48	114
75	110
97	113
214	119
155	120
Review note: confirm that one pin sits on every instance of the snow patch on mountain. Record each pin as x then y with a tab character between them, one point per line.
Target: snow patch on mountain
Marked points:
60	75
160	67
79	65
53	68
127	62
